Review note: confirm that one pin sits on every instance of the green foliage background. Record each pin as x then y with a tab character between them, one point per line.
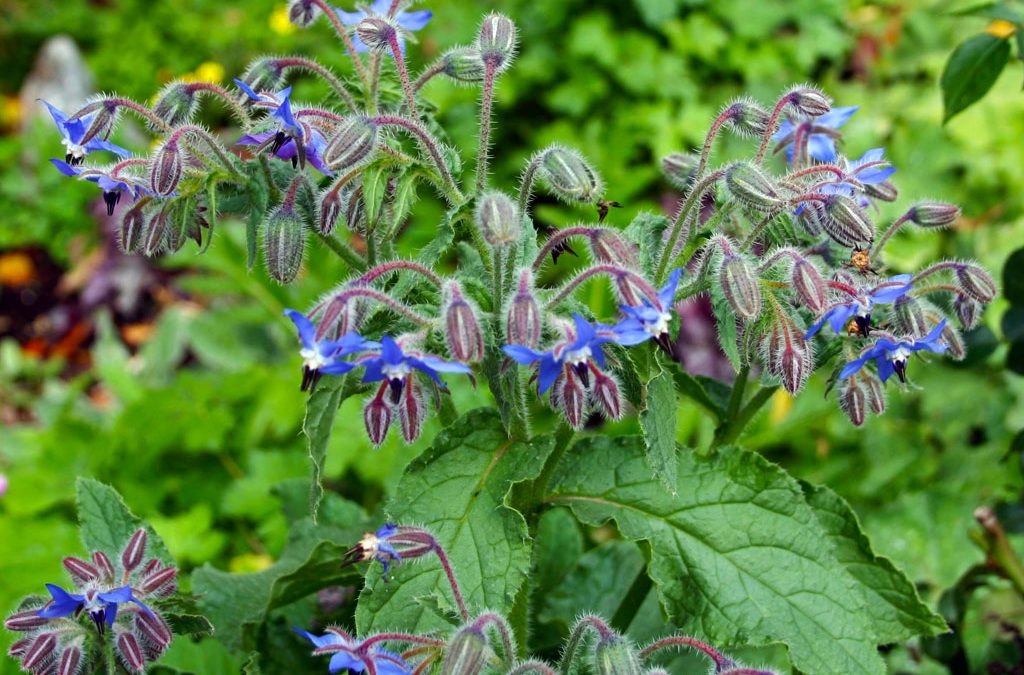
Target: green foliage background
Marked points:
202	451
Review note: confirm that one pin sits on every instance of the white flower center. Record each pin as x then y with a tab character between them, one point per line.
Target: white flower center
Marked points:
76	151
660	326
863	306
898	354
313	359
396	372
578	356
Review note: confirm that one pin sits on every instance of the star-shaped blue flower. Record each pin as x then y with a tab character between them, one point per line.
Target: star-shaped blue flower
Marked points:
313	150
649	320
891	356
74	130
102	606
393	364
113	186
323	357
281	104
410	21
860	307
585	347
344	655
820	143
870	169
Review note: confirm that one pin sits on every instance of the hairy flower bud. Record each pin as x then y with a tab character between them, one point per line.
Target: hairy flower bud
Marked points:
809	286
497	40
355	210
176	104
466	653
25	622
154	628
462	328
284	243
166	168
611	248
498	218
104	119
103	564
354	141
976	282
161	582
847	223
810	101
377	417
569	394
787	355
70	660
132	224
377	32
523	321
968	311
853	401
874	391
883	192
157	230
606	395
746	118
81	571
742	289
263	74
569	176
464	65
679	168
909	316
934	214
134	550
750	186
303	13
328	209
614	655
955	346
130	652
39	652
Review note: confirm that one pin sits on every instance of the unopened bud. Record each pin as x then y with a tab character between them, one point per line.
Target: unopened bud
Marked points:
847	223
104	119
614	655
130	651
569	176
874	392
354	141
153	627
883	192
955	346
70	660
749	185
284	244
740	284
795	364
80	570
605	393
157	230
24	622
103	564
328	210
813	218
853	401
161	582
498	218
466	653
523	322
411	411
810	101
355	210
679	168
166	168
464	65
377	32
611	248
809	286
132	224
976	282
934	214
39	652
19	647
968	311
497	40
303	13
462	328
747	118
134	550
377	418
909	315
570	395
176	104
263	74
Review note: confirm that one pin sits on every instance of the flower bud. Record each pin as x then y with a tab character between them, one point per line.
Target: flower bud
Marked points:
19	647
464	65
134	550
466	653
569	176
749	185
746	118
377	418
883	192
810	101
377	32
353	142
355	210
24	622
161	582
284	244
131	227
909	317
70	660
411	411
130	651
847	223
103	564
742	289
679	168
813	218
154	628
523	322
328	209
303	13
39	652
934	214
176	104
874	392
569	394
609	247
263	74
853	402
809	286
613	655
955	346
498	218
976	283
81	571
606	395
462	328
497	40
166	168
104	119
157	230
968	311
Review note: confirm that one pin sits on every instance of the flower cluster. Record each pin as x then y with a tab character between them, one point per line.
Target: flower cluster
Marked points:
112	601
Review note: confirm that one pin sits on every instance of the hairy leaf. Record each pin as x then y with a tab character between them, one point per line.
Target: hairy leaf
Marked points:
321	410
658	422
106	524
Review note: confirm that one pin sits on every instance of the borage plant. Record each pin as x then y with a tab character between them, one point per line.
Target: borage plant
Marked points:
486	523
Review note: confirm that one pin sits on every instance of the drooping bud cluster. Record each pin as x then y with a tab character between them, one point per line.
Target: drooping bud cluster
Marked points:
114	601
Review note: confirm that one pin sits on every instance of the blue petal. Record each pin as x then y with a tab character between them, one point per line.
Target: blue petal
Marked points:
59	118
66	168
821	148
284	112
548	373
380	6
327	640
426	363
100	144
853	366
875	176
667	294
597	356
307	331
892	290
350	18
248	90
933	336
345	661
839	317
390	352
872	155
522	355
816	326
837	117
785	129
885	367
338	368
414	20
584	332
64	603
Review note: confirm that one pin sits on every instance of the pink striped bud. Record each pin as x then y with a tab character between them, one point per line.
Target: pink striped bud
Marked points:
130	652
976	282
853	401
328	209
81	571
750	186
411	411
934	214
605	393
153	628
284	243
810	101
610	248
132	224
303	13
741	287
570	395
19	647
157	229
152	565
377	418
787	355
968	311
23	622
339	318
809	286
134	551
355	210
103	121
40	652
883	192
847	223
909	315
523	321
166	169
463	335
874	392
70	661
161	582
377	32
354	141
103	564
955	346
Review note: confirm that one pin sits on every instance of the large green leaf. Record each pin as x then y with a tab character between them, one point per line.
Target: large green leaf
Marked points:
658	422
737	555
319	422
896	610
458	489
972	69
106	524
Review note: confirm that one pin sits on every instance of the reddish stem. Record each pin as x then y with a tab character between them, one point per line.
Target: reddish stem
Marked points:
721	661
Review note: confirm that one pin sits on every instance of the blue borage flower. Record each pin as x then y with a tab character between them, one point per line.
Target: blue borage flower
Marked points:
579	353
820	132
113	186
307	144
313	150
101	606
346	654
395	366
649	320
860	307
73	130
870	169
409	21
891	355
323	357
376	546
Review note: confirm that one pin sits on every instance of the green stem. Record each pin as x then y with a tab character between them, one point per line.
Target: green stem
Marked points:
738	387
519	620
344	251
729	432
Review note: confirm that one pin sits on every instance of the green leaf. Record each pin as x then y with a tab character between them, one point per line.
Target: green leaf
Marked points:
374	184
737	555
557	548
106	524
458	489
897	612
972	69
321	410
257	210
658	421
1013	278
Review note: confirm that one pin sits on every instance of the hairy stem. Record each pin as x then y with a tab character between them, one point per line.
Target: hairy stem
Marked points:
486	104
346	40
681	223
403	74
325	74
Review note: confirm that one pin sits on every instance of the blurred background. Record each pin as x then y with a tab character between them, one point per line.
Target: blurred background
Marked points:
176	380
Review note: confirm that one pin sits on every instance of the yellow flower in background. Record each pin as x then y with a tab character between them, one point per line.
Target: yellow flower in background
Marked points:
10	112
279	22
1001	28
782	403
210	71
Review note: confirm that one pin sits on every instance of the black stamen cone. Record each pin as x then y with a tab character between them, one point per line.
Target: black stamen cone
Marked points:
98	618
279	140
310	378
863	324
111	199
396	389
664	341
583	372
900	367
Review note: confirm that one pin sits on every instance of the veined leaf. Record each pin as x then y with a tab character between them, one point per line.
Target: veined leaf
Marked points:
106	524
658	422
972	69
